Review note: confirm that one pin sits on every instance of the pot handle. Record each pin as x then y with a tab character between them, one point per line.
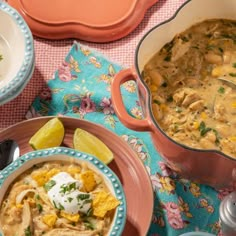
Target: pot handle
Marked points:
119	107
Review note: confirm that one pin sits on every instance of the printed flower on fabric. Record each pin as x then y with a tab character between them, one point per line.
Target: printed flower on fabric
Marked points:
184	207
107	107
95	62
195	189
107	77
163	183
222	193
137	113
216	228
86	51
174	215
130	86
32	113
204	203
45	94
166	171
137	145
85	105
158	220
65	70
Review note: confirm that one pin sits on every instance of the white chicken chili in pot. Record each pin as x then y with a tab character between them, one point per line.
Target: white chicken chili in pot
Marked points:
58	198
191	101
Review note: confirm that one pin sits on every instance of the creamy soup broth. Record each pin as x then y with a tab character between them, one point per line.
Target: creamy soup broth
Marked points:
190	102
58	198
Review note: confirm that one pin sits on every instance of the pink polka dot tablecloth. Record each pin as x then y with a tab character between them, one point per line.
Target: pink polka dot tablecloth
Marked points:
50	54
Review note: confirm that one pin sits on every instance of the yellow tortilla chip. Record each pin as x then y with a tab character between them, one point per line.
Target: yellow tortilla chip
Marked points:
89	182
104	202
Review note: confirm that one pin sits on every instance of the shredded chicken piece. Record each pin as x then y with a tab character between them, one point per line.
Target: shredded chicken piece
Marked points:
27	223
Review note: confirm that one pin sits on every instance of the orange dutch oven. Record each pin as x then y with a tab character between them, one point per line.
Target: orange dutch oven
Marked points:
204	166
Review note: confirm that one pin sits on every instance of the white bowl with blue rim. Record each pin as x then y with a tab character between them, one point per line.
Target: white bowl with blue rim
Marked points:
196	233
28	160
16	53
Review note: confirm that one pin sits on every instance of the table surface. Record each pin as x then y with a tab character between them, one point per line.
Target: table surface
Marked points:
50	54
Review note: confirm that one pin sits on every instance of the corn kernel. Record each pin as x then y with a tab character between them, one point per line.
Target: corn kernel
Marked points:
31	202
232	138
70	217
203	115
73	170
196	125
217	71
153	88
163	107
19	205
40	177
50	219
52	172
234	104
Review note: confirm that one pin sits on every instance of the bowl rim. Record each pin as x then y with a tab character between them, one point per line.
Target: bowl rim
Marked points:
17	90
20	77
41	156
148	98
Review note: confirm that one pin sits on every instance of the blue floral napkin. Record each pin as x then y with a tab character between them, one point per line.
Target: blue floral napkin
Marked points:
81	88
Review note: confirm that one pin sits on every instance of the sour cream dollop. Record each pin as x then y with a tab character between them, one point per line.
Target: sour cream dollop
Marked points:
63	192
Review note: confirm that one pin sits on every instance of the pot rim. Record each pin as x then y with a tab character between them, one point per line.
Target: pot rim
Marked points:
210	151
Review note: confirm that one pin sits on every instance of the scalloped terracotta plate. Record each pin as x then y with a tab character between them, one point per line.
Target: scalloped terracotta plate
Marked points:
126	165
93	20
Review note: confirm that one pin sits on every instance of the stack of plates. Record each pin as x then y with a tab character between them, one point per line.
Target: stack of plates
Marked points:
16	53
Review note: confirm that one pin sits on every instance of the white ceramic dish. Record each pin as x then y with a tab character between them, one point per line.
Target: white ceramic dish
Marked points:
17	51
14	92
25	162
197	233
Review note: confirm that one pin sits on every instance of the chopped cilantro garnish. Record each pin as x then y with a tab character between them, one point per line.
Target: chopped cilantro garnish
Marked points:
234	64
59	207
40	208
28	231
67	188
185	39
221	90
210	47
157	102
164	85
203	129
89	212
70	199
87	201
49	185
221	49
89	225
169	99
232	74
167	58
54	203
82	197
1	57
178	109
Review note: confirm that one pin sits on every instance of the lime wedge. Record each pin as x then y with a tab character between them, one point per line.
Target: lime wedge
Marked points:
86	142
49	135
